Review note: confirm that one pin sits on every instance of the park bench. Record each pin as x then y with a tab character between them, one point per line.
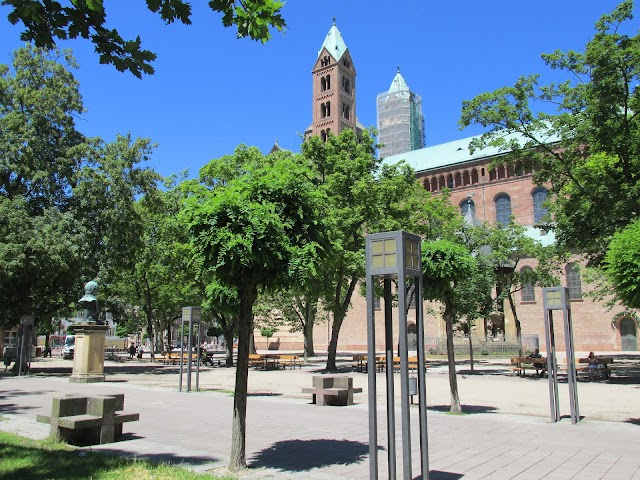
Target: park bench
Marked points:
290	361
519	365
359	363
88	420
173	358
332	390
603	369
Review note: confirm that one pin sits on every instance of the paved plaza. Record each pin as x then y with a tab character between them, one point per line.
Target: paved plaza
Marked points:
506	433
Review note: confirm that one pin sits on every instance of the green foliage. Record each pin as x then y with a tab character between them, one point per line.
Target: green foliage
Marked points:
268	331
445	264
622	264
593	169
67	204
360	195
48	21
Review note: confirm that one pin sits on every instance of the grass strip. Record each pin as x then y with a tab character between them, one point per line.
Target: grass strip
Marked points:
25	459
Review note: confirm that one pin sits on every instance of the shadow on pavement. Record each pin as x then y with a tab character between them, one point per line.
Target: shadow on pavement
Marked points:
13	408
303	455
439	475
465	408
634	421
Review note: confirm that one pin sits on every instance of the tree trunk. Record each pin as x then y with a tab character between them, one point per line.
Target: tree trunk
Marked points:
228	340
470	348
333	344
238	459
308	338
453	380
517	322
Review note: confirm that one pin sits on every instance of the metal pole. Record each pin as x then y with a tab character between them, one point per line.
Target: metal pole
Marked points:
181	350
404	376
388	347
198	360
552	367
571	366
189	351
371	374
422	383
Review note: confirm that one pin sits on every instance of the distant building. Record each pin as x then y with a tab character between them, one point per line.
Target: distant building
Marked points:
334	89
400	119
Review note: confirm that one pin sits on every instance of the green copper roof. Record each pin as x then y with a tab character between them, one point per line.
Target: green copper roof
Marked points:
451	153
334	43
398	84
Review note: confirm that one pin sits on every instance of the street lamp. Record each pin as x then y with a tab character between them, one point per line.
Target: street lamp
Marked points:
395	256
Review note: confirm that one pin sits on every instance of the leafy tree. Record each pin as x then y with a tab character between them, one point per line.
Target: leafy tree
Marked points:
622	265
249	233
223	304
501	248
588	151
446	265
46	21
361	195
158	281
40	241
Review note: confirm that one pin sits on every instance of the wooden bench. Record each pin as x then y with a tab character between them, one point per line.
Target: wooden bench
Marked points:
92	420
256	360
519	365
359	363
173	358
603	368
289	360
332	390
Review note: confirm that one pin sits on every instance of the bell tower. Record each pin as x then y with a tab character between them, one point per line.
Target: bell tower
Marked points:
334	88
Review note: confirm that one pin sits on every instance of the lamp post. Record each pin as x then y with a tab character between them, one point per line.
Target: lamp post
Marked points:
395	256
556	298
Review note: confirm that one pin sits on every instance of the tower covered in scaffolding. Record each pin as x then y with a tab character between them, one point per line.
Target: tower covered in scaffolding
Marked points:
400	119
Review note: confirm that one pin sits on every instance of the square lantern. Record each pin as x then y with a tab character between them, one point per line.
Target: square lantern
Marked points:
389	253
554	298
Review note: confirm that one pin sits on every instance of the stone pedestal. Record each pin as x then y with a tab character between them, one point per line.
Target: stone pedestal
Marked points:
88	357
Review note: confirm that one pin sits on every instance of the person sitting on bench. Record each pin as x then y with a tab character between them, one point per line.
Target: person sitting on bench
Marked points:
536	354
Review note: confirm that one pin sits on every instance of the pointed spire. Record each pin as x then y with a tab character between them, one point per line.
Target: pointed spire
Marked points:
333	42
398	84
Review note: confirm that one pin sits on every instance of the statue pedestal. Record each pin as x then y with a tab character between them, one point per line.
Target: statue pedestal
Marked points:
88	356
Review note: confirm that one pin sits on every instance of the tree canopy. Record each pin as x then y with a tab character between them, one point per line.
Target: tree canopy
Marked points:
47	21
254	233
622	264
587	150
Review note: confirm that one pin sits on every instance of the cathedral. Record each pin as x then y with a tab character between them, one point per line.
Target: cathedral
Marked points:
481	192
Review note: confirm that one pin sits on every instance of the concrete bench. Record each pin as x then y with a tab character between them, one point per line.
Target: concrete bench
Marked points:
332	390
89	420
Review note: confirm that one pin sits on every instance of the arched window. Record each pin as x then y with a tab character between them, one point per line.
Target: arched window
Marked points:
323	110
474	176
426	184
323	84
346	85
539	211
574	283
503	209
328	82
346	111
328	109
466	180
528	291
450	181
434	184
458	179
465	205
323	136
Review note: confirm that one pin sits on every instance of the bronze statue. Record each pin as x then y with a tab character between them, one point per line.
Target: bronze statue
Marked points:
89	302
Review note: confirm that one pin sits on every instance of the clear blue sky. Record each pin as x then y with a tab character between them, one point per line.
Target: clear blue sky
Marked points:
212	92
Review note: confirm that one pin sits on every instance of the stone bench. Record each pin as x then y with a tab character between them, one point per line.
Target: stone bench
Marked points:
88	420
332	390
